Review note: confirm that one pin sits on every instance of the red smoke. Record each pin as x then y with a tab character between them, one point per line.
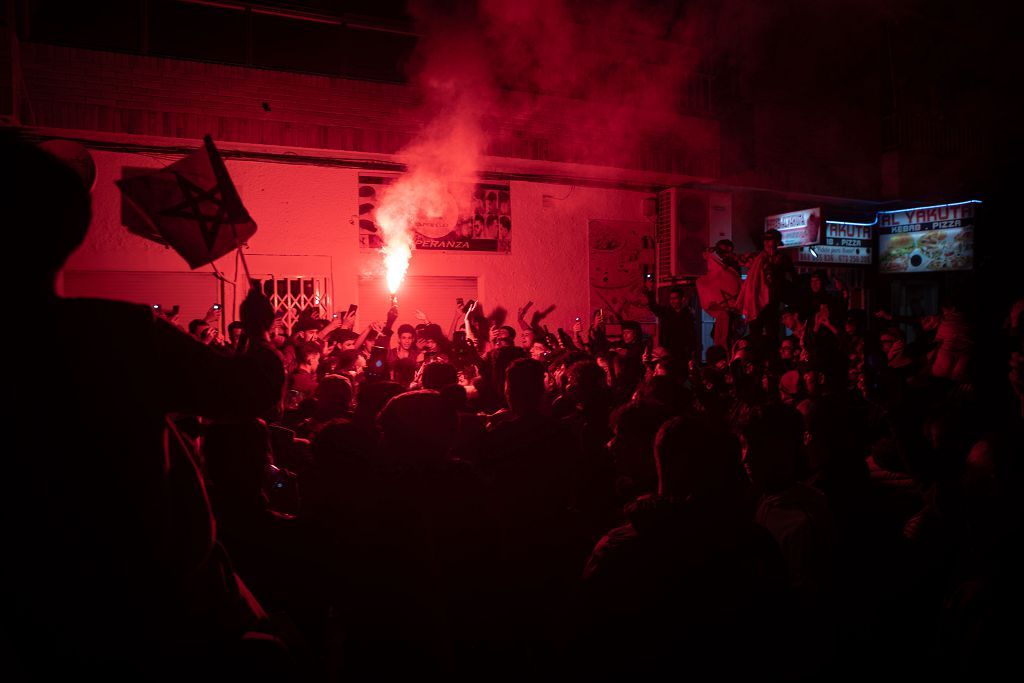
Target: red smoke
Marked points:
597	82
445	155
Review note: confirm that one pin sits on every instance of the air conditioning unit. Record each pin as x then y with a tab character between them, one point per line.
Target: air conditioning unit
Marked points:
688	222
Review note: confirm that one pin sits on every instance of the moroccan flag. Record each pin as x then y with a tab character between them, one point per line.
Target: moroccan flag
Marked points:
192	206
718	288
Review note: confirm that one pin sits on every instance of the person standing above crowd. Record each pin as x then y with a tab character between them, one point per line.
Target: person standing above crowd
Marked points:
718	290
677	331
769	284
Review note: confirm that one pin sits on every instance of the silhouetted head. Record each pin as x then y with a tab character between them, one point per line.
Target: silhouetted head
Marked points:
586	382
501	358
524	386
771	437
47	208
635	426
373	396
418	427
696	458
333	397
437	376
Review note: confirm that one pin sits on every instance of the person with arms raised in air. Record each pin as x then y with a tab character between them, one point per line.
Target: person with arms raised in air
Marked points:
676	329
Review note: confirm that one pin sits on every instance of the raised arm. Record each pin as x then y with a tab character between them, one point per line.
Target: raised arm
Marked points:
470	337
652	302
196	379
521	316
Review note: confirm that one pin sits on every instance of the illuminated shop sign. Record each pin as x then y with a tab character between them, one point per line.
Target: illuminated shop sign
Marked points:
927	239
844	244
798	228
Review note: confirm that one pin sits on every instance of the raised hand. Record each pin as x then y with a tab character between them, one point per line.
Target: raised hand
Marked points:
213	314
540	315
333	324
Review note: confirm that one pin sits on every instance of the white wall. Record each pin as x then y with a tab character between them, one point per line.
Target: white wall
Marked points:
308	211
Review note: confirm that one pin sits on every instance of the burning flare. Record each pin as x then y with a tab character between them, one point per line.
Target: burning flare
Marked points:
396	216
445	154
418	194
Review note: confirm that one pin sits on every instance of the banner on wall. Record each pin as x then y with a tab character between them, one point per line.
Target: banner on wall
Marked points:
621	254
844	244
927	239
476	218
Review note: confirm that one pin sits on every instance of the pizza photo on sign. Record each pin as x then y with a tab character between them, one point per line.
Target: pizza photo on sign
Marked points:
949	249
932	244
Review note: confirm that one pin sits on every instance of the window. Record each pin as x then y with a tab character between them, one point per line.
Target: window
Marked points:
214	34
117	27
294	294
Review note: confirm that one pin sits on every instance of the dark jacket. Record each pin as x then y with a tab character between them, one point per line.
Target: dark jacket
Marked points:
677	589
676	329
119	559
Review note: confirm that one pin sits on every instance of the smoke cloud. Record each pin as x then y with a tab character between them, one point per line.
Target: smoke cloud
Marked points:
600	83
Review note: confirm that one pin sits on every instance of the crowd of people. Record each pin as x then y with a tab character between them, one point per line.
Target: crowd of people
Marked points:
830	496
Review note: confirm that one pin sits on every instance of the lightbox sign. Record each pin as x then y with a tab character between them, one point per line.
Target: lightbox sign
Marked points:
798	228
844	244
927	239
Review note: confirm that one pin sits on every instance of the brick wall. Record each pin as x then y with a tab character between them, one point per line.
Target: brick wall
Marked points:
77	89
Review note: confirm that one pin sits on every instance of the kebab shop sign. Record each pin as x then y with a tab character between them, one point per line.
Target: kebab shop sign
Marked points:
929	239
844	244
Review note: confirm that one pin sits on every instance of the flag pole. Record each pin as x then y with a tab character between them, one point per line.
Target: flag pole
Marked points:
245	265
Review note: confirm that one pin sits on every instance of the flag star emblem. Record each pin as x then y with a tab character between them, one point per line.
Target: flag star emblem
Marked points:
191	208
